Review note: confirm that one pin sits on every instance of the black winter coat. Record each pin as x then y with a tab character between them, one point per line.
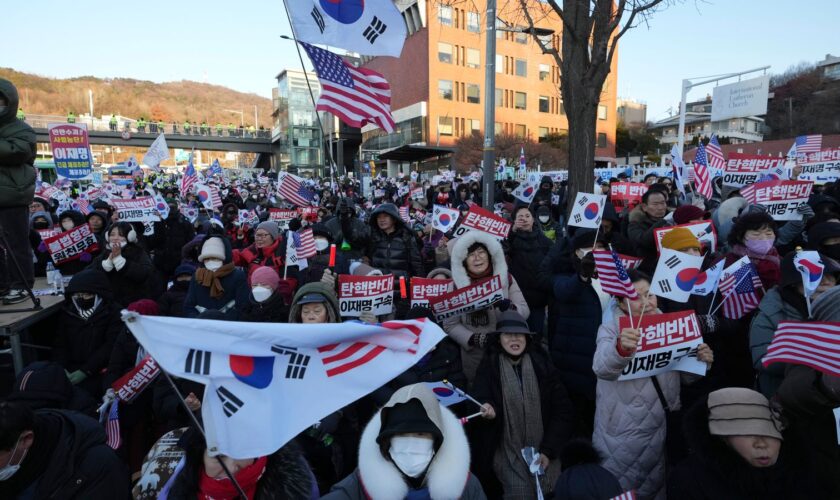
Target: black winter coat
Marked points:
134	280
171	303
68	460
526	251
168	240
17	153
573	320
442	363
396	253
273	310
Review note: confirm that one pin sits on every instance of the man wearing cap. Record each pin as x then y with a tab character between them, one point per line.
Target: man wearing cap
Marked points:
739	451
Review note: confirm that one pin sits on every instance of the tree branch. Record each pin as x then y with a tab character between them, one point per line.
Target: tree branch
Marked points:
552	51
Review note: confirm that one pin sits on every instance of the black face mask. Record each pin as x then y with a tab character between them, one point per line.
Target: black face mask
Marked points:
181	284
84	304
41	224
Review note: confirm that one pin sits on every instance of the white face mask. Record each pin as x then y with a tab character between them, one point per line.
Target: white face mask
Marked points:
411	454
67	225
321	244
9	470
544	218
261	293
212	264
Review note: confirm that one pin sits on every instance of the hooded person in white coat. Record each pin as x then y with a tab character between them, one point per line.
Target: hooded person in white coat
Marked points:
412	448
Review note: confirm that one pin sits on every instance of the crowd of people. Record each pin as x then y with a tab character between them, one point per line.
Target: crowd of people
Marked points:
544	362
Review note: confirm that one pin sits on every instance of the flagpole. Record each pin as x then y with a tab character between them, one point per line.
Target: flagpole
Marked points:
309	87
201	430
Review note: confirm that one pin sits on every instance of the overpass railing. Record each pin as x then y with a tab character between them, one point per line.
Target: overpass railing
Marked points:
42	121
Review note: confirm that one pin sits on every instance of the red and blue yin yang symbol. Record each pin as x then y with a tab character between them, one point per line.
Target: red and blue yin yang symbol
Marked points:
687	278
255	371
344	11
814	271
591	210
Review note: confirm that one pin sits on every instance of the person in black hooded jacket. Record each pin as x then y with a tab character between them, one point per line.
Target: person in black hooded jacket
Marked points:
62	454
171	303
126	264
87	326
349	233
527	246
393	247
169	238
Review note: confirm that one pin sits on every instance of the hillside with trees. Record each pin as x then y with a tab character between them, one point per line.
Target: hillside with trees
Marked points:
170	101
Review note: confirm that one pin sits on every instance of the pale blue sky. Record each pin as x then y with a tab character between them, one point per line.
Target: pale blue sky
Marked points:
237	44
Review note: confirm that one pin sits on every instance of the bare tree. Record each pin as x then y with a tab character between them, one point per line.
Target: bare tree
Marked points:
591	30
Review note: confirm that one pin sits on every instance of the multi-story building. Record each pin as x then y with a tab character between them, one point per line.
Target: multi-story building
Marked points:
699	124
437	84
631	113
296	134
830	68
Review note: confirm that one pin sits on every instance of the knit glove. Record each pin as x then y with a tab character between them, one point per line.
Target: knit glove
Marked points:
708	323
77	377
806	211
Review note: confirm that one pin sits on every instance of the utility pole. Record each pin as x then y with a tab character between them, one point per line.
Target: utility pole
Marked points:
489	154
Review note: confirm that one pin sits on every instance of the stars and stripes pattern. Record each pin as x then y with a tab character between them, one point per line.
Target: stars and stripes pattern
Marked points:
215	197
715	154
404	214
702	179
739	292
612	275
291	188
805	144
811	344
343	357
304	242
189	179
112	426
82	205
355	95
627	495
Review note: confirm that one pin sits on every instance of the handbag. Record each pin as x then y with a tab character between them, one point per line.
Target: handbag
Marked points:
675	448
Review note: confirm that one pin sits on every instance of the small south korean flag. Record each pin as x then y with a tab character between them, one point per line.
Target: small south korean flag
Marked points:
676	274
588	210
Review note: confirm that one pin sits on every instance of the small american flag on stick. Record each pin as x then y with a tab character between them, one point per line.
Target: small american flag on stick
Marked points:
612	275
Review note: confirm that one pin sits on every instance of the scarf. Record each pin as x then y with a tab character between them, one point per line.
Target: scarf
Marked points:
208	278
477	277
223	489
523	426
771	256
85	314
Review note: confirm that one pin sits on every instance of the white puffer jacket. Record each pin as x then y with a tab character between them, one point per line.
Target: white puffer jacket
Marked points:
629	418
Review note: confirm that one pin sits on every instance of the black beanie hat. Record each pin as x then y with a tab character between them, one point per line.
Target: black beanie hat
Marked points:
404	418
42	384
583	239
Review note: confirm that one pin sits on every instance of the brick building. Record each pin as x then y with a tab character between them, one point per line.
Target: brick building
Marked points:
437	83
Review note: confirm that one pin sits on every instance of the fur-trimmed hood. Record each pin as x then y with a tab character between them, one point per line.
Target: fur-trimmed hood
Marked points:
449	470
459	255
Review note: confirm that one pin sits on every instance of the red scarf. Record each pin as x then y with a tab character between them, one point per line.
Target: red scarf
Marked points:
223	489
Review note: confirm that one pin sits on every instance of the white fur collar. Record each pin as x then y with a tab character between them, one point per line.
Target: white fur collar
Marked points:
448	473
459	255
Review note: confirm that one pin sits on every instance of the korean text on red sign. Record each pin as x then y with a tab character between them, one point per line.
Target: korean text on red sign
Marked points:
478	219
782	198
668	342
424	289
70	245
743	169
357	294
137	210
477	296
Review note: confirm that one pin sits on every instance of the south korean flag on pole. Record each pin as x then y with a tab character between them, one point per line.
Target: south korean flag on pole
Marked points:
265	383
587	210
675	275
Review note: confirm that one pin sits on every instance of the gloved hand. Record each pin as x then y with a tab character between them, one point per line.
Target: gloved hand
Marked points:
86	257
42	247
587	266
368	317
109	396
328	278
77	377
806	211
708	323
504	304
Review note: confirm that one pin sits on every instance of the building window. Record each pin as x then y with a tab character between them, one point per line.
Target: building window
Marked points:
520	37
473	125
473	93
562	108
602	140
500	98
473	58
474	22
602	112
445	15
444	52
544	72
520	100
497	128
520	130
444	125
521	67
500	64
544	104
542	132
445	89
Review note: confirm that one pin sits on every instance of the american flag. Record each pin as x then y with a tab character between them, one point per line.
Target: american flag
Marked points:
738	292
304	243
404	214
715	154
341	358
215	197
702	179
811	344
189	179
292	190
81	205
215	168
805	144
627	495
614	279
112	426
356	95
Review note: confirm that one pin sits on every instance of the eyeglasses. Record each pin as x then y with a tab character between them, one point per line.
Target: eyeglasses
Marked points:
262	235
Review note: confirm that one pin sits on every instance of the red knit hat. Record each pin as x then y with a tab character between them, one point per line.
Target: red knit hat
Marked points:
265	276
687	213
146	307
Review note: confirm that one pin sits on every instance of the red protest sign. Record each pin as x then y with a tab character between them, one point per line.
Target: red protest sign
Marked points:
423	289
743	169
142	209
357	294
479	219
667	342
627	194
70	245
308	211
281	217
782	198
475	297
130	385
